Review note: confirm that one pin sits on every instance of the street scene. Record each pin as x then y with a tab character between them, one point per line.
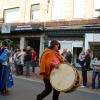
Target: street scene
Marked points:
49	49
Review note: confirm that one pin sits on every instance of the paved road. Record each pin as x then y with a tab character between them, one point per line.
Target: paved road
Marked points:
26	89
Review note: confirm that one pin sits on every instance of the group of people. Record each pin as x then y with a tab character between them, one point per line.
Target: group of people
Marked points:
25	58
84	60
49	59
18	59
89	62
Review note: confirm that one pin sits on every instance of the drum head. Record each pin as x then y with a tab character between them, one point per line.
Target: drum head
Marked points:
63	78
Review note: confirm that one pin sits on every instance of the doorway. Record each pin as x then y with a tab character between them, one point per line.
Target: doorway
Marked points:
76	52
34	43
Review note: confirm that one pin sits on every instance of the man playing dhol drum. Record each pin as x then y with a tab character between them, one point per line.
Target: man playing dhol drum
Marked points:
49	59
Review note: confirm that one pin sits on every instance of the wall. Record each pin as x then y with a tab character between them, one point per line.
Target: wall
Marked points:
46	8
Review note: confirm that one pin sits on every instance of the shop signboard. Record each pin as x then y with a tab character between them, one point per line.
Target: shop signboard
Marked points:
26	27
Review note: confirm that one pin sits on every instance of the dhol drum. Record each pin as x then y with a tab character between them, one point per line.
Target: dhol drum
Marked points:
65	78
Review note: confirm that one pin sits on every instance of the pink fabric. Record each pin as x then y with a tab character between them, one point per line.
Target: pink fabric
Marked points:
55	62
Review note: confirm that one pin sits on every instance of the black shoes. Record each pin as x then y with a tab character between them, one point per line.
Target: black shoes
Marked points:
38	97
4	92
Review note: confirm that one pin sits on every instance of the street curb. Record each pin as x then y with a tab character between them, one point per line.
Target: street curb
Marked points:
81	89
29	79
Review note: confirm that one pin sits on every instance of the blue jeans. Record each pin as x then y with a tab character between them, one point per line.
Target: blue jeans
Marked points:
16	67
95	74
27	67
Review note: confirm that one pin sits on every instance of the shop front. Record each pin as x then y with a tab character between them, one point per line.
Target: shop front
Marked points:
73	37
92	41
73	40
25	35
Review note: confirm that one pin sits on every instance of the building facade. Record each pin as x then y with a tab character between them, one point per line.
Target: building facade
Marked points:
47	10
75	23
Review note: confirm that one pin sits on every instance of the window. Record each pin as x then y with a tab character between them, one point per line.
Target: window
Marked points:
58	9
35	12
96	8
78	8
11	15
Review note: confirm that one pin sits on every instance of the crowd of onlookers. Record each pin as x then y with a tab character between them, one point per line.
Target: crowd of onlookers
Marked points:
16	61
22	61
88	62
26	59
